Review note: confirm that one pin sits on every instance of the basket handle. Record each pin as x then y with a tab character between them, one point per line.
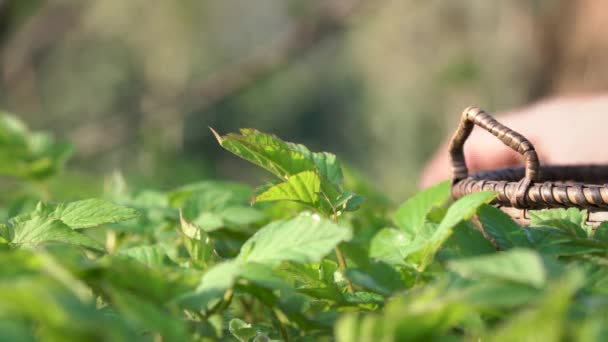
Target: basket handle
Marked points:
472	116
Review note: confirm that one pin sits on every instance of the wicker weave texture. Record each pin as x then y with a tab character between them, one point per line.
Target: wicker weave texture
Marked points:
530	187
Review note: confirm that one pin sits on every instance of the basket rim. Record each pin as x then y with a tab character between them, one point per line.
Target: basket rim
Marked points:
561	186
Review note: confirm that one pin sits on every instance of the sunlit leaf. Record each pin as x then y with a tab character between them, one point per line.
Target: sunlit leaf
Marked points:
571	220
302	187
306	238
93	212
43	228
389	245
266	151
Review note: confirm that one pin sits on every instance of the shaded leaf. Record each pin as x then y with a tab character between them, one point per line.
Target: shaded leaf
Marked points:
148	316
326	163
213	284
544	321
153	255
502	228
379	277
27	154
242	330
349	201
518	265
465	241
463	209
556	242
242	215
601	232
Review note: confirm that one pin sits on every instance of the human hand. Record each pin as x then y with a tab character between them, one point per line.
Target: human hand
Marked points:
563	131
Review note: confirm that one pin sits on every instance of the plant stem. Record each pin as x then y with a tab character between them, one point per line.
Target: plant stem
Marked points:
222	304
228	295
342	262
111	241
248	309
282	330
343	266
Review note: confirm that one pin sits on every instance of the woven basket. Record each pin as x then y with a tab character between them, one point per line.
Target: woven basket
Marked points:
531	187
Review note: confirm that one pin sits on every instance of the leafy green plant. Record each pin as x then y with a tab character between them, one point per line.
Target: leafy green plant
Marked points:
310	178
29	155
202	263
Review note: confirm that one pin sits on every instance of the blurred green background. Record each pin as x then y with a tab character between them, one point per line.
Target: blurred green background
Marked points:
135	84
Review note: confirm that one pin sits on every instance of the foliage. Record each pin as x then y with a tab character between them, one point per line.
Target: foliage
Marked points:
201	263
26	154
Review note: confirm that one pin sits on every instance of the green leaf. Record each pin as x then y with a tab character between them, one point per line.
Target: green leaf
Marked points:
545	321
463	209
15	331
210	195
197	242
352	328
349	201
154	284
557	242
378	276
303	187
326	163
363	299
601	232
209	221
305	238
266	151
43	227
56	314
571	220
285	160
494	294
212	286
465	241
502	228
153	255
26	154
388	245
242	330
423	315
93	212
220	277
412	214
522	266
240	215
148	316
264	276
5	233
